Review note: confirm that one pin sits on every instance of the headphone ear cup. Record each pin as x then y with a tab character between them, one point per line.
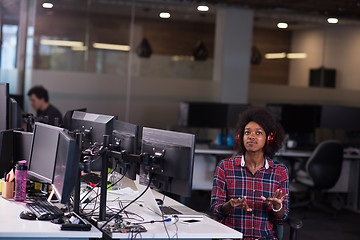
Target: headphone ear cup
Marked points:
237	139
271	138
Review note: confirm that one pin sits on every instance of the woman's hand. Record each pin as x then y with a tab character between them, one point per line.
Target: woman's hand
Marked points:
241	203
276	199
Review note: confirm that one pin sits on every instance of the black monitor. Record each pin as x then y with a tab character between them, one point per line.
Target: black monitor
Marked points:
22	145
4	106
66	167
297	118
209	114
43	152
68	117
340	117
6	152
15	115
125	137
93	126
174	172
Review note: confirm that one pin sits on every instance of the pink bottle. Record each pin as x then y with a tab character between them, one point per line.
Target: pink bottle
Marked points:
20	181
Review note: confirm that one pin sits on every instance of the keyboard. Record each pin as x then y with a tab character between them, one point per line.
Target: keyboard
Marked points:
44	210
166	210
91	178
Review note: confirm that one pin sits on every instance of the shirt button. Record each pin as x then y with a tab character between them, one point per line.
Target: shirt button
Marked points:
253	190
252	227
253	215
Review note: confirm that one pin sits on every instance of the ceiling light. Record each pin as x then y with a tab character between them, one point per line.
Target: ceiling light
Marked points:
275	55
80	48
296	55
164	15
107	46
47	5
203	8
282	25
332	20
61	43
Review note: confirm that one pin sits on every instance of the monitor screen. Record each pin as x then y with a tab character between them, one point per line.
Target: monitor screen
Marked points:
4	105
297	118
66	167
174	175
210	115
340	117
15	119
6	151
43	152
22	145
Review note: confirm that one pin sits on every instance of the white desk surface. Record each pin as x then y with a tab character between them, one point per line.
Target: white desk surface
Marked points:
206	228
11	226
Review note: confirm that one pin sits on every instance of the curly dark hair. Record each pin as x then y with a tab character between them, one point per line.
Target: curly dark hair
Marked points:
268	122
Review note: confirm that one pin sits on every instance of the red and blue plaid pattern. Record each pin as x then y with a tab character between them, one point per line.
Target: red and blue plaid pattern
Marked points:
233	179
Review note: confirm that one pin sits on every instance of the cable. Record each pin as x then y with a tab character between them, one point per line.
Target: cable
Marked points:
162	215
98	194
117	215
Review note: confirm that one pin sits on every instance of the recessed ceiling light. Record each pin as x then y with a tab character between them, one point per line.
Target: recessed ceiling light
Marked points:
47	5
164	15
332	20
202	8
282	25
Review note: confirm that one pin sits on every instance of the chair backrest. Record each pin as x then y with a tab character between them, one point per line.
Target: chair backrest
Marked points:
324	165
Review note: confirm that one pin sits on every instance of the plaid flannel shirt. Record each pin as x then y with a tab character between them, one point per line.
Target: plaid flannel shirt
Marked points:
233	179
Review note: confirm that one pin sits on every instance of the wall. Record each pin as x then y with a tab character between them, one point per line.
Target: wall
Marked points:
273	71
333	47
260	94
154	101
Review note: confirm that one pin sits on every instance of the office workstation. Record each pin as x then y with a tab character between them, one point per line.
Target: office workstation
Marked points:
138	86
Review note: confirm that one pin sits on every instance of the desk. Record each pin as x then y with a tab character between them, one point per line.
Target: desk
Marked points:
207	228
13	227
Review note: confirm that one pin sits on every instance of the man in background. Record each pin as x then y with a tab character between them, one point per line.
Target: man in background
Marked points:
39	100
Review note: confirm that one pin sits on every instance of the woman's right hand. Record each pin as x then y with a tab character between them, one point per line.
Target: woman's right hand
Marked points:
241	203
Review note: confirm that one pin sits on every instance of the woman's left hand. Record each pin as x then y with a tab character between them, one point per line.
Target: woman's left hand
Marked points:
276	199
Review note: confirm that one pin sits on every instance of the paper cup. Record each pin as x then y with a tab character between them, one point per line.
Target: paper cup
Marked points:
8	189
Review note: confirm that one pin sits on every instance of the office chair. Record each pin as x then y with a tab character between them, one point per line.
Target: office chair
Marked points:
322	171
294	223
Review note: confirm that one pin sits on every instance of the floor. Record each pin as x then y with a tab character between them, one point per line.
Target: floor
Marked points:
316	224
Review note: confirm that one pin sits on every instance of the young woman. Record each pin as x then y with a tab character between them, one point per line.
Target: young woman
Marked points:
250	191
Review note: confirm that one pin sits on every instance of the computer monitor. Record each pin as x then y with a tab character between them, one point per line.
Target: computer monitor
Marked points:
209	114
174	172
66	167
4	106
68	117
297	118
93	126
15	115
22	145
125	137
340	117
6	152
43	152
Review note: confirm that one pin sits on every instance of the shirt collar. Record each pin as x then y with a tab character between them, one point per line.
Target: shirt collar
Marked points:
268	163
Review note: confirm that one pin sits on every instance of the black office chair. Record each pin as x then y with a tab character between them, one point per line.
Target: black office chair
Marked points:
322	171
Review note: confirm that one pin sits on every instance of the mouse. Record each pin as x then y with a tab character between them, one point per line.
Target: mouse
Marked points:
27	215
59	220
46	216
159	201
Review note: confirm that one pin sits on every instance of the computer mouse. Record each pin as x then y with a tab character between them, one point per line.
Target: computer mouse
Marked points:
27	215
159	201
47	216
